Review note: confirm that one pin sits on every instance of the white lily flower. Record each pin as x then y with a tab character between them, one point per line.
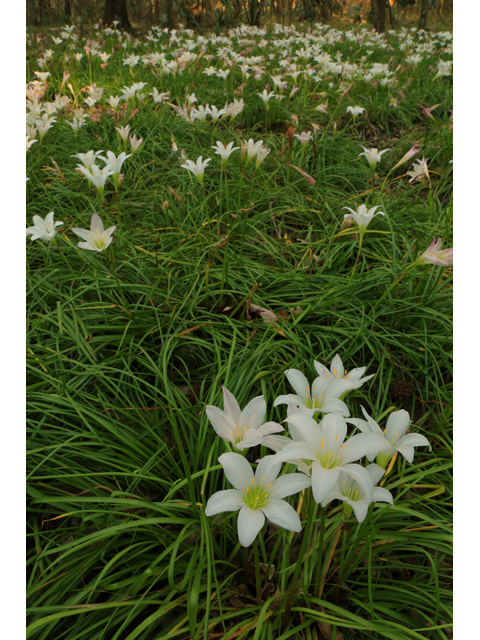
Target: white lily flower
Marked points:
257	495
43	228
373	156
362	216
242	428
355	111
337	372
135	142
115	164
123	132
201	113
97	239
160	97
265	96
224	151
393	434
216	113
303	137
198	168
262	153
114	101
323	444
96	176
322	397
352	492
419	170
88	159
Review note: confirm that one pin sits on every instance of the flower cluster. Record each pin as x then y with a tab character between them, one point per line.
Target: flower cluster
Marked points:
327	459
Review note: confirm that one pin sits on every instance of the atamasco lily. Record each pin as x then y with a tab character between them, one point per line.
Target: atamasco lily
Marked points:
322	397
98	238
436	255
245	428
337	371
45	229
96	176
357	495
322	447
257	495
393	434
363	216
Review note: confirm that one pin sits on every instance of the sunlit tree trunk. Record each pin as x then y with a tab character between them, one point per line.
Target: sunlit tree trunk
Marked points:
424	6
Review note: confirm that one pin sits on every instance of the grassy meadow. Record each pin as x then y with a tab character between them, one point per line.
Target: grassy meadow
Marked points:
233	279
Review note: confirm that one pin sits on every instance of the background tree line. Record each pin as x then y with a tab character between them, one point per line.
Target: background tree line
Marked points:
219	14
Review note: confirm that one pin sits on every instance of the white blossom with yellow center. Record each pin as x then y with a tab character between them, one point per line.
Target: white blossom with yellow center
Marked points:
257	495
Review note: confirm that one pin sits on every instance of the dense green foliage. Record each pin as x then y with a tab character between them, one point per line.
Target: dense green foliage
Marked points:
126	347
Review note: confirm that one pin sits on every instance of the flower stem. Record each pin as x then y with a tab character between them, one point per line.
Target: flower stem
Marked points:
312	509
258	582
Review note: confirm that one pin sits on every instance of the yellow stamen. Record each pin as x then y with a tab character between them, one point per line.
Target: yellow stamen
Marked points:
263	478
321	446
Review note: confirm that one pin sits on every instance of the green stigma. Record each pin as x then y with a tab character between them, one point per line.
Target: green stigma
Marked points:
255	497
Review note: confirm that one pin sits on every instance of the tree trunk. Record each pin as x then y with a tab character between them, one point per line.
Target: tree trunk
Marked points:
390	13
170	14
422	22
116	10
39	12
378	15
67	9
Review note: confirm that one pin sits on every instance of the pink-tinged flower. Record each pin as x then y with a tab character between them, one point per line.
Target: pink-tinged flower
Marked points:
323	108
304	174
419	170
435	255
427	111
304	137
97	239
412	152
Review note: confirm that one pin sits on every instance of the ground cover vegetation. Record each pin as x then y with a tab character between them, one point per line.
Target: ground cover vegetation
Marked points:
213	222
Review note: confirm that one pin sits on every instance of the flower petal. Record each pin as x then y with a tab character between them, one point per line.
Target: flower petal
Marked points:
276	443
363	444
219	420
322	370
83	233
304	428
334	430
249	524
407	453
253	415
289	484
230	405
282	514
414	440
288	399
398	421
270	427
267	470
228	500
360	509
237	469
362	477
375	472
299	383
323	480
296	451
382	495
96	224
